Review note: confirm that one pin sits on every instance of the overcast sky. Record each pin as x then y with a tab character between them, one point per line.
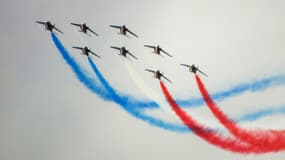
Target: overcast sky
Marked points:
47	114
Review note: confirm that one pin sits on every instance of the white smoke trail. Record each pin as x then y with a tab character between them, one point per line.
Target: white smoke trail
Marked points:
150	93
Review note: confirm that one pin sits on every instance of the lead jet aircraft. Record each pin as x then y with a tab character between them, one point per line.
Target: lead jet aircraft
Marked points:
123	51
49	26
158	75
194	69
157	50
86	51
84	28
124	30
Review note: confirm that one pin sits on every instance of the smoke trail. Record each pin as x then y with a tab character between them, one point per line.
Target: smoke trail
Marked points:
258	85
227	143
270	139
261	113
254	86
129	107
239	89
81	74
149	92
91	84
86	79
125	102
153	95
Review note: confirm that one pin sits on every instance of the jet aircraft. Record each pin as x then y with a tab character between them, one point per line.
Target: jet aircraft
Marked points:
194	69
84	28
85	51
157	50
49	26
124	51
124	30
158	75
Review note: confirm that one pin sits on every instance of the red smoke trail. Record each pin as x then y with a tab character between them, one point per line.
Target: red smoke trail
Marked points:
227	143
273	140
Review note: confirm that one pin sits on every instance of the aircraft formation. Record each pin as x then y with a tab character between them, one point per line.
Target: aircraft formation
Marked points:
123	51
241	141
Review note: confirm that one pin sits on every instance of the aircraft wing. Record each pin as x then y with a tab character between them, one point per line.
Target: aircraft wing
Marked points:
118	48
76	24
114	26
149	46
132	55
166	78
203	73
166	53
95	54
58	30
39	22
185	65
93	32
150	70
77	48
132	33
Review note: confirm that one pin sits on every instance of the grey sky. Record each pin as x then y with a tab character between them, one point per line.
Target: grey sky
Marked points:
47	114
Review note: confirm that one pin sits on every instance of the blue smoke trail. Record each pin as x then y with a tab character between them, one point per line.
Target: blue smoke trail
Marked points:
127	103
191	102
255	86
261	113
124	102
129	107
135	107
88	81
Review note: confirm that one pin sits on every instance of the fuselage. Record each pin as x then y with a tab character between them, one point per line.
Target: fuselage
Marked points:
157	49
123	51
49	26
85	51
193	69
83	28
157	75
123	30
